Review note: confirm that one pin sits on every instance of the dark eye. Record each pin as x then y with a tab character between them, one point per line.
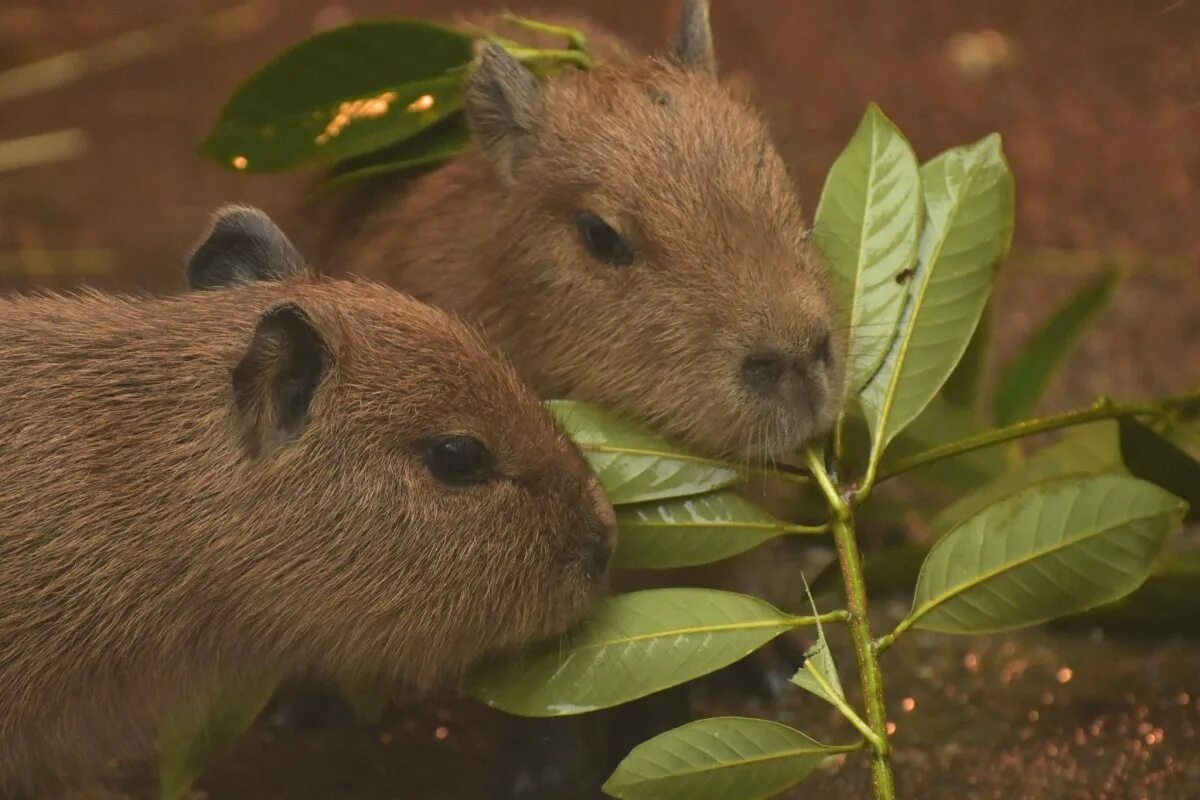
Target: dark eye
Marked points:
456	460
602	241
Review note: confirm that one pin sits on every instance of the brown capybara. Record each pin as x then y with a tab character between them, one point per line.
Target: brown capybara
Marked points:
628	236
285	476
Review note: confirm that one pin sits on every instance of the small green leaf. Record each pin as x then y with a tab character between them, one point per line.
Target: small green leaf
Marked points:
969	222
343	93
631	646
1091	449
819	673
635	465
867	226
1156	459
723	758
428	148
691	530
190	741
1025	379
1050	550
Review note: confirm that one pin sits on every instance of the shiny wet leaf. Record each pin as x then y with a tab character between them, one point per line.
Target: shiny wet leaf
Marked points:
635	465
343	93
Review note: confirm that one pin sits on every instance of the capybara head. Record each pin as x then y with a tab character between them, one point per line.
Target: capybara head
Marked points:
650	249
448	515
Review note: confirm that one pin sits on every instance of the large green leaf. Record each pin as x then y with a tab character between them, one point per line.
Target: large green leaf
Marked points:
1050	550
867	225
691	530
635	465
1090	449
723	758
968	228
194	738
631	646
1158	460
1025	379
340	94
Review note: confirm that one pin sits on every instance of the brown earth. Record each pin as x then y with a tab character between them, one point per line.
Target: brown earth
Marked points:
1098	102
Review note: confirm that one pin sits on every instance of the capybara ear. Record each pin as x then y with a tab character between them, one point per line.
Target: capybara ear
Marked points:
242	245
277	378
503	100
693	44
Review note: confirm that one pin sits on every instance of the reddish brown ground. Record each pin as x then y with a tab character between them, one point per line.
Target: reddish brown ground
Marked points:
1098	102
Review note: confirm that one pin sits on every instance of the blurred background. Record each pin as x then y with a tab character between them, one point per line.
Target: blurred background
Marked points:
102	105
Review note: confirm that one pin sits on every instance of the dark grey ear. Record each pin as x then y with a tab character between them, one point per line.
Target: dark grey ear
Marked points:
693	45
274	383
503	100
243	245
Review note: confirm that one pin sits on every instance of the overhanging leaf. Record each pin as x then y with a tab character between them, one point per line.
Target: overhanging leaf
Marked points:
340	94
968	227
723	758
691	530
634	465
1025	379
428	148
867	225
193	739
1050	550
1154	458
631	646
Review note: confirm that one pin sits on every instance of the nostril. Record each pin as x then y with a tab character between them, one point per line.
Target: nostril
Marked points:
763	369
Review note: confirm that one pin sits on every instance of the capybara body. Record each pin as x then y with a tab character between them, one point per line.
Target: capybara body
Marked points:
627	235
294	477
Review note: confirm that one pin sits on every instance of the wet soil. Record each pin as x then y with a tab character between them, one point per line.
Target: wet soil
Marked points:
1098	102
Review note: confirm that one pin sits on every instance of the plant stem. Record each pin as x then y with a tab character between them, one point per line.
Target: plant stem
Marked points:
1102	409
860	628
832	616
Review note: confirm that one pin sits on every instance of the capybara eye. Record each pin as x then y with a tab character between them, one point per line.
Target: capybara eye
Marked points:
602	240
456	460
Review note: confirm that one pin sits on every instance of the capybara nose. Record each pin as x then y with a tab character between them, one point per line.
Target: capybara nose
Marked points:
762	370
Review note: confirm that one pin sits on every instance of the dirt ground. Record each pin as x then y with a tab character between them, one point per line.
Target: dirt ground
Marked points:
1098	102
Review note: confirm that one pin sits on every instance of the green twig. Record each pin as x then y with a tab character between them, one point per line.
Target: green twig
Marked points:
575	38
1102	409
860	628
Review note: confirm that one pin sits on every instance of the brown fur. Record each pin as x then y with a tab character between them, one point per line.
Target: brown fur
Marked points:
687	173
147	557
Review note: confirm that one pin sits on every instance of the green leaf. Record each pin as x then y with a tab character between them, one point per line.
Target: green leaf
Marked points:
635	465
191	740
631	646
1156	459
819	673
428	148
1092	449
340	94
867	226
723	758
691	530
968	228
1050	550
1025	379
